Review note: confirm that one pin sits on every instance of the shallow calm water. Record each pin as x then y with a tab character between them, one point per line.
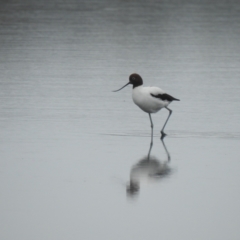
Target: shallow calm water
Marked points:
74	154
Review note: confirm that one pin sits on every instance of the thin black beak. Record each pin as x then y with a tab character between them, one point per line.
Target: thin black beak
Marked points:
121	87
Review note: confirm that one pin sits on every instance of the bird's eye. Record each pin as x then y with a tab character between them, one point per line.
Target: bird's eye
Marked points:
133	78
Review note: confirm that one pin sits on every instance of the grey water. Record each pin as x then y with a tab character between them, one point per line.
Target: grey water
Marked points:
74	158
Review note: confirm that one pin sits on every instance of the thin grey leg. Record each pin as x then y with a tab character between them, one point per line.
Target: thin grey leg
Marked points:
151	144
152	128
162	132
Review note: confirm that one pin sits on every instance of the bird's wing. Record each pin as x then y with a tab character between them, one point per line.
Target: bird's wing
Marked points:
159	93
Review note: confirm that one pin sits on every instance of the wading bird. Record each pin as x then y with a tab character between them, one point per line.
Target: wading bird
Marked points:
149	99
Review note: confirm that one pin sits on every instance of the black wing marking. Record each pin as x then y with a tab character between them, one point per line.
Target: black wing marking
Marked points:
165	96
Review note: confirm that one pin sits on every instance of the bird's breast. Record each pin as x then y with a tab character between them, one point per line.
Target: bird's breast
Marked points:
142	98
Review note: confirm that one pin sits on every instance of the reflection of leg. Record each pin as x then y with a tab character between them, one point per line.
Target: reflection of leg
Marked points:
152	128
162	131
168	155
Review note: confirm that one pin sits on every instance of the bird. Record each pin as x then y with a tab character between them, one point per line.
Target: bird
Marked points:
149	99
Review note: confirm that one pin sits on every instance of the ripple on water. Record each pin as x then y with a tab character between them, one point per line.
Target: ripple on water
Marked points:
179	134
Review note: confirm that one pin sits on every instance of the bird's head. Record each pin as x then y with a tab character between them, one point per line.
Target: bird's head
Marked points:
134	79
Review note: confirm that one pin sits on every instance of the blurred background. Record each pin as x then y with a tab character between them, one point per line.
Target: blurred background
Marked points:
74	154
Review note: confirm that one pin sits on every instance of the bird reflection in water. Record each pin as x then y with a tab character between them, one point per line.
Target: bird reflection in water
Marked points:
148	168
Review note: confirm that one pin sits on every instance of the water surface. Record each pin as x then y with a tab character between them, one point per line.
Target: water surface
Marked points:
70	146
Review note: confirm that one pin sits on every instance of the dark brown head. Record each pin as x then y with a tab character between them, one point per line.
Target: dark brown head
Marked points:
134	79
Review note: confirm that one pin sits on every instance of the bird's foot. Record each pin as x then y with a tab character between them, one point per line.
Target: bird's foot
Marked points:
163	135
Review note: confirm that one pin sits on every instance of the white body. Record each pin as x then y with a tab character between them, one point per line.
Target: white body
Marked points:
142	98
